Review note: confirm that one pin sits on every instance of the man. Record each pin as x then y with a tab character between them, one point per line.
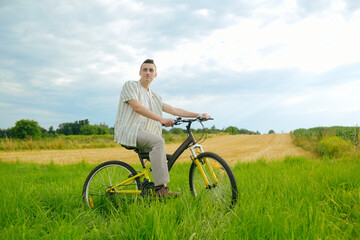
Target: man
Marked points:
139	123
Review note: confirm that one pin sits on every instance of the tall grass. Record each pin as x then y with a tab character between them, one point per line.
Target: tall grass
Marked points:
76	142
296	198
351	134
329	142
59	143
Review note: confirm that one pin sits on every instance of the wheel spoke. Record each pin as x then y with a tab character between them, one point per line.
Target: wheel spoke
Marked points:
105	176
222	191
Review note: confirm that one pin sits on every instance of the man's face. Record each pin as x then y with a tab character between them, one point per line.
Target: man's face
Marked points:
148	72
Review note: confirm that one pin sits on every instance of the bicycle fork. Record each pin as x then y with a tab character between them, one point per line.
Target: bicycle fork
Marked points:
196	150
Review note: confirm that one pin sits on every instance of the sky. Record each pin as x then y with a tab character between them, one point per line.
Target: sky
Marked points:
259	65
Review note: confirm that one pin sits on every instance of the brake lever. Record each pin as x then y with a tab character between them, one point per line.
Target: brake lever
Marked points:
203	119
177	121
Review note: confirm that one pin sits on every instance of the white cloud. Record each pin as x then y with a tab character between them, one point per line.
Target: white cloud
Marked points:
62	81
6	75
203	12
316	43
338	6
340	98
113	5
294	100
134	8
12	88
5	105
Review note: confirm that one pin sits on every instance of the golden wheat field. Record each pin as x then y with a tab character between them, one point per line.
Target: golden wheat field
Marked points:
233	148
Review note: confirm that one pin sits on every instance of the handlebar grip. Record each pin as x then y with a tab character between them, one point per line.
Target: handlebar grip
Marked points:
204	119
179	120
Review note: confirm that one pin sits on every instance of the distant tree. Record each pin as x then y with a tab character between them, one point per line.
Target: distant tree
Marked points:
43	130
103	130
176	131
26	129
84	122
5	133
94	129
65	128
51	130
48	133
271	131
232	130
89	130
245	131
76	126
213	130
72	128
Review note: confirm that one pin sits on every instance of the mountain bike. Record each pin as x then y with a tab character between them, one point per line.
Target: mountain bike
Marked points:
210	177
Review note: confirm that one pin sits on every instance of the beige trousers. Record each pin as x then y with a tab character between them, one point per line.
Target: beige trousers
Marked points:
156	144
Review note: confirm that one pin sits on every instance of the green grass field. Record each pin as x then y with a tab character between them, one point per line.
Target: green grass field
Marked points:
296	198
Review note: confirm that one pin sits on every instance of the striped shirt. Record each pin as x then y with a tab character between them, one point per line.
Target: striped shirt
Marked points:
128	121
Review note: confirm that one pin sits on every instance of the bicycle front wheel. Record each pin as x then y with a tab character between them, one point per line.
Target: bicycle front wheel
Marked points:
220	189
102	185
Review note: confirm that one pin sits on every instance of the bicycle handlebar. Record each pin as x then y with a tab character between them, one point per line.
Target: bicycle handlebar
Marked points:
180	120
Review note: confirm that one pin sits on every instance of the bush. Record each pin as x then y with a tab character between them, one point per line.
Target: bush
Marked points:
333	147
176	131
89	130
94	130
26	129
232	130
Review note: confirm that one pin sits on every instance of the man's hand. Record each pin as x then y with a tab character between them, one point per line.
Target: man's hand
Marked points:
167	122
205	115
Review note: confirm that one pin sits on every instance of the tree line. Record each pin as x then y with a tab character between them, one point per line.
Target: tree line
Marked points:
213	130
25	129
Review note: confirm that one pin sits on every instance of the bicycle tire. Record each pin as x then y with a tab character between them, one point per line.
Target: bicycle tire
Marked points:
106	175
222	194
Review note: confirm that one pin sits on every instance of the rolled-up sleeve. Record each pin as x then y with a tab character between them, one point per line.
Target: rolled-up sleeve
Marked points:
128	92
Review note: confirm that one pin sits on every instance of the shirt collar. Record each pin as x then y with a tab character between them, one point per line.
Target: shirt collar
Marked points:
149	91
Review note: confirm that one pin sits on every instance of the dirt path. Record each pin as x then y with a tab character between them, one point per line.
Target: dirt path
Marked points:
241	148
235	148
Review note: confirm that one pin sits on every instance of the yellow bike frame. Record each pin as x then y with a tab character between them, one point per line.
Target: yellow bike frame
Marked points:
117	188
196	150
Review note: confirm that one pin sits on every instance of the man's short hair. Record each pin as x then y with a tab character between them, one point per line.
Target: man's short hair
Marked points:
148	61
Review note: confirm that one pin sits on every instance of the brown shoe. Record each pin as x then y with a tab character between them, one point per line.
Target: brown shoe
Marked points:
164	192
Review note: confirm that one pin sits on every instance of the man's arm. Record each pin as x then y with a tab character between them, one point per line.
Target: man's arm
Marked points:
139	108
181	112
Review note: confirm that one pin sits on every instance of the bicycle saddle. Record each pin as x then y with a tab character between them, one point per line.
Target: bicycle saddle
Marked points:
129	147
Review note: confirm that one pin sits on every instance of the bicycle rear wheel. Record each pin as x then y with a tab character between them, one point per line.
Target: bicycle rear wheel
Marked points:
105	176
222	191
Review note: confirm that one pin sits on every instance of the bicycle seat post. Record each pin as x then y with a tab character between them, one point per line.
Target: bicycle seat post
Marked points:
142	156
